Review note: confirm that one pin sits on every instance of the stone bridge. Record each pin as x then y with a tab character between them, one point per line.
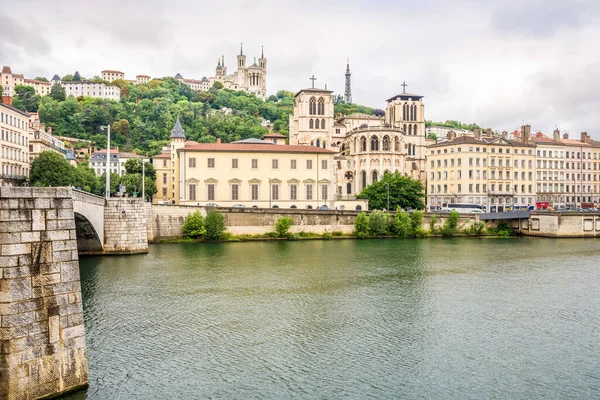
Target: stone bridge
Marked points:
42	230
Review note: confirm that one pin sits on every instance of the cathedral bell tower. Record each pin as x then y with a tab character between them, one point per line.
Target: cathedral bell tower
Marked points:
241	59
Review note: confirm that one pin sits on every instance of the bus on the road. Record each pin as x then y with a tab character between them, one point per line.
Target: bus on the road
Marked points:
464	208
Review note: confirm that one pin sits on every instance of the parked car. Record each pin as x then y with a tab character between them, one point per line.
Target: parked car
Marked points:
238	206
323	207
211	205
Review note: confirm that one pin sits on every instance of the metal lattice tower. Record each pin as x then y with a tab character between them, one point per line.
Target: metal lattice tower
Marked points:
348	91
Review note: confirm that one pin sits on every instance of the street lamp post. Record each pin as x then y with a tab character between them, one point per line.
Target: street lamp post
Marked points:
388	196
107	127
143	181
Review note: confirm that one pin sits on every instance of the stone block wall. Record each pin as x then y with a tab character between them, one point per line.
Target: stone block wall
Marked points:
562	224
125	230
166	221
42	338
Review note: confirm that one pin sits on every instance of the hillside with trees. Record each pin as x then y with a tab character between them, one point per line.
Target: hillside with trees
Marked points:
143	118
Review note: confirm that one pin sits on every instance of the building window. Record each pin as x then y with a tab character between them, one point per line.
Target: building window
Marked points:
235	191
164	179
293	192
275	164
254	163
323	164
192	162
308	164
292	164
210	191
274	192
192	190
211	163
254	191
323	192
164	163
234	163
309	192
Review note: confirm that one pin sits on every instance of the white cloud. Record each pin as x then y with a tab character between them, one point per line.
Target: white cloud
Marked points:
496	63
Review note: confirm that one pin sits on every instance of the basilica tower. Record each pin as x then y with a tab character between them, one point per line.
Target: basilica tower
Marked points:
313	118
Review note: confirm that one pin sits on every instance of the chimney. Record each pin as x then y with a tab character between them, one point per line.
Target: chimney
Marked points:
556	135
451	135
218	140
488	132
584	137
7	100
325	86
565	136
477	134
95	149
117	149
50	130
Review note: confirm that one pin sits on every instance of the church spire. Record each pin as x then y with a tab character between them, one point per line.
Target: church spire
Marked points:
241	49
348	91
262	51
177	131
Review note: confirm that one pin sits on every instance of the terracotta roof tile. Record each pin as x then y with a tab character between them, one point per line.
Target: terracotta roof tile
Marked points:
257	148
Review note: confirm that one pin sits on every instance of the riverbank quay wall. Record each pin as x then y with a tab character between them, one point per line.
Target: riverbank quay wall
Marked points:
560	224
42	337
125	226
166	221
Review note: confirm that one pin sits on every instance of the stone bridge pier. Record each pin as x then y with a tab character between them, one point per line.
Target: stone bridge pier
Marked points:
42	339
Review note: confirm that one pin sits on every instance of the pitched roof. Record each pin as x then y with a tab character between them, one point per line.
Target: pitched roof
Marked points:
255	148
564	142
274	135
142	76
112	70
14	109
178	131
6	70
404	96
36	81
56	77
314	90
162	155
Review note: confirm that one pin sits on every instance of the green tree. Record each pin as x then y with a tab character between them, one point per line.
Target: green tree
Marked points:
67	78
58	92
1	93
25	98
361	225
404	192
134	166
215	225
218	85
41	79
85	179
283	226
451	225
193	225
416	220
76	77
115	181
378	223
50	169
402	224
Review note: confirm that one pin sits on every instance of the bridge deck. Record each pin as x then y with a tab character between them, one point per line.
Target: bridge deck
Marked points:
504	215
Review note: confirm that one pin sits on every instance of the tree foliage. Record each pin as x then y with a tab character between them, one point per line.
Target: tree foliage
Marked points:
50	169
215	225
41	79
58	92
361	225
76	77
378	223
25	98
193	225
283	226
402	224
404	192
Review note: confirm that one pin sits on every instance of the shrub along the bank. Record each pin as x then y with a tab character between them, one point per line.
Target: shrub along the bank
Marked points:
193	225
361	225
378	223
214	225
451	225
432	228
283	226
402	227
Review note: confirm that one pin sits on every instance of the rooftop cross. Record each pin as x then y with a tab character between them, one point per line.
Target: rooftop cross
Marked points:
404	85
313	79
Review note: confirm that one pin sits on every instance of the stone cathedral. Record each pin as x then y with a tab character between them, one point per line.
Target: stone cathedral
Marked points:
367	146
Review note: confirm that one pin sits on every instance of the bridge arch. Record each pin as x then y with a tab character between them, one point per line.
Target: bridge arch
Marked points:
88	240
89	221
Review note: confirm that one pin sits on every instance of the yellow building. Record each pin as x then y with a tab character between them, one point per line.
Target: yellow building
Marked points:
491	171
112	75
8	81
42	140
248	173
14	145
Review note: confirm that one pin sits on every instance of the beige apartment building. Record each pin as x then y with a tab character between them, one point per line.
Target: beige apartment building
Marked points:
42	140
8	81
567	170
252	173
14	145
142	79
491	171
112	75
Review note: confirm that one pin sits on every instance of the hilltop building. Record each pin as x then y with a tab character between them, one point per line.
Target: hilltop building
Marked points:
8	81
118	159
112	75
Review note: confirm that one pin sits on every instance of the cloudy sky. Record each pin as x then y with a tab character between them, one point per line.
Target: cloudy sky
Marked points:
497	63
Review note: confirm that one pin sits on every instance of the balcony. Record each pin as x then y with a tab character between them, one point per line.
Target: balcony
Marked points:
13	177
501	192
341	197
